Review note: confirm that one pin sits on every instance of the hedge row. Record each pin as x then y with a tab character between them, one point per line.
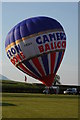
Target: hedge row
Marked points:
22	87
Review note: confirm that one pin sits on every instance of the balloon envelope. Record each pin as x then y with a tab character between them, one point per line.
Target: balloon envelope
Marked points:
36	46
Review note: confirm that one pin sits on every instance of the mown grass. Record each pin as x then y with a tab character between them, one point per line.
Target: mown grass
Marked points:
23	105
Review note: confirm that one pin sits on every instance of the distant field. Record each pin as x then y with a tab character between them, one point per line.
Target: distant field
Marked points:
23	105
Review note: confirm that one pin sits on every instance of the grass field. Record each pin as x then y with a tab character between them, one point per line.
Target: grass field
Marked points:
23	105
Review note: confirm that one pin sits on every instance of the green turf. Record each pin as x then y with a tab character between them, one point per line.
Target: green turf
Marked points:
23	105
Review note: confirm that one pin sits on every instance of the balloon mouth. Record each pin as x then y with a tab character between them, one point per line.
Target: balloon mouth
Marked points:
47	80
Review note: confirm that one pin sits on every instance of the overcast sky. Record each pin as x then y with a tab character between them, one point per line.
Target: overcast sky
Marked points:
65	13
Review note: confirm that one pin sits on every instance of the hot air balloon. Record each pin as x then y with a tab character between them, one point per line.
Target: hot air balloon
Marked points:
36	46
